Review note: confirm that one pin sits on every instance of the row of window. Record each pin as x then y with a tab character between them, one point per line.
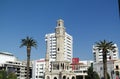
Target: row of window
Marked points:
80	71
39	76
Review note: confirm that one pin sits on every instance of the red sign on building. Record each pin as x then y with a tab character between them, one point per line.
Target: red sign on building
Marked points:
75	60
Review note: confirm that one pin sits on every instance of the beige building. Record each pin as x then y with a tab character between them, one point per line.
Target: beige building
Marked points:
117	68
60	68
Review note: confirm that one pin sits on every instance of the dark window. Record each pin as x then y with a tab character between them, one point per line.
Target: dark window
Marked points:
59	24
58	49
73	77
55	78
64	77
117	67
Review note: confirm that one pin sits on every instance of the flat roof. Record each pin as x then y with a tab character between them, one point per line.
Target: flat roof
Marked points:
6	53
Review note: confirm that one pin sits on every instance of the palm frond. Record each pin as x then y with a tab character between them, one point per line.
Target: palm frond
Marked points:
29	42
105	45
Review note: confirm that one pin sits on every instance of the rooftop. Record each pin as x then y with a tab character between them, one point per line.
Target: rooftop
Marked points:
6	53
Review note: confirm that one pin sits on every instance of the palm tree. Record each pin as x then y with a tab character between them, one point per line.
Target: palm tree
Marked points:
28	42
105	46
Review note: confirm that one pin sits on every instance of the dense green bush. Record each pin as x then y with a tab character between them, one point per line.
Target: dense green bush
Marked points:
92	74
4	75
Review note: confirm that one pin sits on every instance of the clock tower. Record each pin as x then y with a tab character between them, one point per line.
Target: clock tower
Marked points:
60	68
60	37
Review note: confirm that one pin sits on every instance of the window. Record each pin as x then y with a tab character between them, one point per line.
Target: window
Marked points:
73	77
36	76
58	49
55	78
117	67
64	77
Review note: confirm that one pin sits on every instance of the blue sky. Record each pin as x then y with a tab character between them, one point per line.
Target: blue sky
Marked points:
88	21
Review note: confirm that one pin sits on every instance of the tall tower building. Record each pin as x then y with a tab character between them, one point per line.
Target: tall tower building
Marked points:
52	43
60	35
59	49
111	55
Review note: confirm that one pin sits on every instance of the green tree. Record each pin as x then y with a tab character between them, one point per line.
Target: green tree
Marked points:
3	74
92	74
96	76
28	42
105	46
12	76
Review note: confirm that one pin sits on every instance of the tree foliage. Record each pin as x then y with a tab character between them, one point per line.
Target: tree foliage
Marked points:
4	75
96	76
92	74
12	76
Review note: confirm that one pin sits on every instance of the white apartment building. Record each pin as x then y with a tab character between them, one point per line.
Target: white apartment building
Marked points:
51	46
5	56
80	68
10	63
111	55
18	67
38	69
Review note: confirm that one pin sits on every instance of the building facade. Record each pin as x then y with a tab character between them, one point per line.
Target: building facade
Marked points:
80	67
38	69
98	67
111	55
5	56
17	67
10	63
113	69
116	70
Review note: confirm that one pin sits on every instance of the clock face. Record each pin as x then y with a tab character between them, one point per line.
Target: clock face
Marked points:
60	31
57	32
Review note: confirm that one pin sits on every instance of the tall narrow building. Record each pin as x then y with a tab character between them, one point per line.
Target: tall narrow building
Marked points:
60	37
60	65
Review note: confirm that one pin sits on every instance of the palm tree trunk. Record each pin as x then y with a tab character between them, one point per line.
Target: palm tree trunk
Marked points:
28	61
105	64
